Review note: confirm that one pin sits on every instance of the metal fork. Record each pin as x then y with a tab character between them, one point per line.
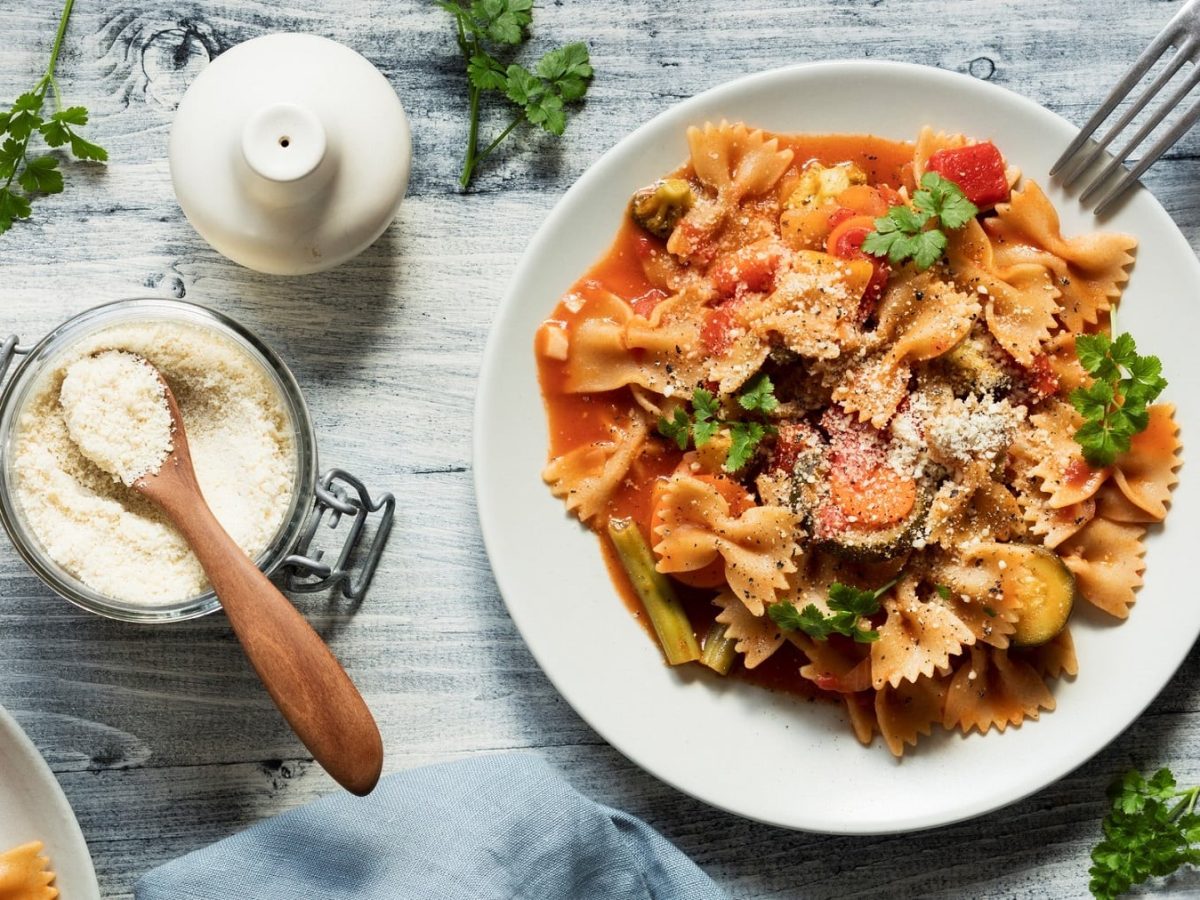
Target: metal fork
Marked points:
1182	33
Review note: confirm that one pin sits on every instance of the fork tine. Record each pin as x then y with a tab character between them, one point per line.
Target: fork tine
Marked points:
1088	155
1140	67
1160	147
1160	113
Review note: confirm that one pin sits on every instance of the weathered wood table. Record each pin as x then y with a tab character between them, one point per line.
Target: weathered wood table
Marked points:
162	737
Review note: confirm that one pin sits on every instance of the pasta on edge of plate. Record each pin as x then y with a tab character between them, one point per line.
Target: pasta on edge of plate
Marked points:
860	471
25	873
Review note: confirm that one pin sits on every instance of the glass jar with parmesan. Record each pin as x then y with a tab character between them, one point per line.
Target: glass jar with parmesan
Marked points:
98	542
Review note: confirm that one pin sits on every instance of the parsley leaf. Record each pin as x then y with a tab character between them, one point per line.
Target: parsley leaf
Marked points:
41	176
1114	405
943	591
1151	829
560	77
705	422
677	428
847	605
944	199
35	175
746	436
759	395
902	233
486	73
705	408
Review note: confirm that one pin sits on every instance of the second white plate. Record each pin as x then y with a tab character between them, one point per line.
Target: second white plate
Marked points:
33	808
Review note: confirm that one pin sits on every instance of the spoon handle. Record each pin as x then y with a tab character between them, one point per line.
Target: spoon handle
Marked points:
301	674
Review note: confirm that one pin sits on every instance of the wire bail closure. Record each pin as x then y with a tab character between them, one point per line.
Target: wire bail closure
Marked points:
8	350
339	494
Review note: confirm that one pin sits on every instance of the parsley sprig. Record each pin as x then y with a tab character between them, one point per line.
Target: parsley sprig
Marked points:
1114	404
704	422
39	175
562	76
847	605
1151	830
903	233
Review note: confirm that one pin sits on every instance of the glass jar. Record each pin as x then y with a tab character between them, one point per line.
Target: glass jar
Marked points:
335	495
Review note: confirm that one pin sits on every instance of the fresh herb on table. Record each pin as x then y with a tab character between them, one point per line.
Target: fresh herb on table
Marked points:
490	27
902	234
704	422
847	606
39	174
1151	830
1114	404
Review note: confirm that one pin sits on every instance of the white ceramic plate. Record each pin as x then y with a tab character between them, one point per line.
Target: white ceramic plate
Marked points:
754	753
33	808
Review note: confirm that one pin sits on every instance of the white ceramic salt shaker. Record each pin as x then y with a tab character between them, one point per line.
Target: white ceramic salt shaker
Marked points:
290	153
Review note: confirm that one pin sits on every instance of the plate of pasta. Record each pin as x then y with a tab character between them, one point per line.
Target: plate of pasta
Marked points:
42	851
849	513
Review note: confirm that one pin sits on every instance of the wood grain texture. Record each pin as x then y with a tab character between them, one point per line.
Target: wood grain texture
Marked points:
162	737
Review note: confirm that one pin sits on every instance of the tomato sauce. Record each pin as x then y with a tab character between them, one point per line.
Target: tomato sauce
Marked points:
577	419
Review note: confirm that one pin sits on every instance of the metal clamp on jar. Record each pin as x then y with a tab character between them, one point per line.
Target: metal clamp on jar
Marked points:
337	500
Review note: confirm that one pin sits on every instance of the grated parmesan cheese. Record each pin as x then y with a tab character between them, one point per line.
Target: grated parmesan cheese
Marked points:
113	539
974	428
115	410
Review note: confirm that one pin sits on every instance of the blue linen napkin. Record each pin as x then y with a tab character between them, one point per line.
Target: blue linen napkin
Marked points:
489	828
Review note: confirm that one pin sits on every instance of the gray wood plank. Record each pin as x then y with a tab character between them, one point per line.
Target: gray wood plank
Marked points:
161	736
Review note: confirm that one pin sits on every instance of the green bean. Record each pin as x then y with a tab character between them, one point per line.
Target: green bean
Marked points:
718	653
654	590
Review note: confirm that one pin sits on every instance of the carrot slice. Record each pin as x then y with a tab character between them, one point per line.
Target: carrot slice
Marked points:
872	497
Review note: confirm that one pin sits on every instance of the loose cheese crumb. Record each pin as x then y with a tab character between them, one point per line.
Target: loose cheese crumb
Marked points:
115	408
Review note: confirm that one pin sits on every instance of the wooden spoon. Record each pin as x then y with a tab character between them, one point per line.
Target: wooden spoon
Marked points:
303	677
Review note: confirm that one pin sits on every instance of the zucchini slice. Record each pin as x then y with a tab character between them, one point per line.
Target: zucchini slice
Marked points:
811	494
1047	592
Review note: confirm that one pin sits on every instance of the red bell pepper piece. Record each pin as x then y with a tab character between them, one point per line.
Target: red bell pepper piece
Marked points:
845	242
977	169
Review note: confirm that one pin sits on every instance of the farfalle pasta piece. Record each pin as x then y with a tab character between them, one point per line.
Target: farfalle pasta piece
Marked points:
843	667
1052	526
586	477
1090	270
918	319
757	637
759	546
25	874
994	689
860	710
1060	468
1064	362
814	306
613	346
1106	560
1020	301
975	593
911	709
917	638
1146	473
1112	504
733	162
973	507
1055	658
745	355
